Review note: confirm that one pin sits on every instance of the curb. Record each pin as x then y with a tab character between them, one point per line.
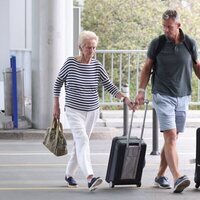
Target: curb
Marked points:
35	134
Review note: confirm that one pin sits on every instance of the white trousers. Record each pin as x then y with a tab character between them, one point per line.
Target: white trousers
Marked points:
81	124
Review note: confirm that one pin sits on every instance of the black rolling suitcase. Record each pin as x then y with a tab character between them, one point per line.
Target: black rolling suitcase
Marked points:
127	158
197	165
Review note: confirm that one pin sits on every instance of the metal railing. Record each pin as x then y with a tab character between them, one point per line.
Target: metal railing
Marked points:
123	67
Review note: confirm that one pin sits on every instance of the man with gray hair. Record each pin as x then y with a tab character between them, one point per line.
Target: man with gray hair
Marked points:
170	59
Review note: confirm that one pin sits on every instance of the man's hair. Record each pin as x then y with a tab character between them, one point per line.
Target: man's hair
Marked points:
171	14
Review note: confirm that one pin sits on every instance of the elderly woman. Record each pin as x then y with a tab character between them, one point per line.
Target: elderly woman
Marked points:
81	76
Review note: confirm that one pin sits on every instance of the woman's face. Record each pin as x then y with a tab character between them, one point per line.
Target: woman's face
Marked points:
89	48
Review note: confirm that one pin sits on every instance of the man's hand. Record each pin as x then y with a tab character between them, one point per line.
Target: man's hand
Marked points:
139	100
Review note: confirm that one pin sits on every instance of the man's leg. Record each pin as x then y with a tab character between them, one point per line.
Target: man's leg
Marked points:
171	113
171	155
163	164
170	152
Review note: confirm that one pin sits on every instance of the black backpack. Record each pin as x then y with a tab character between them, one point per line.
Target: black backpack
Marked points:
186	42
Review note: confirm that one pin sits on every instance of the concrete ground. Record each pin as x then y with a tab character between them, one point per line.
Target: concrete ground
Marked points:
29	171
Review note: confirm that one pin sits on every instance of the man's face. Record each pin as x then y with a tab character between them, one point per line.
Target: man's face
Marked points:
171	28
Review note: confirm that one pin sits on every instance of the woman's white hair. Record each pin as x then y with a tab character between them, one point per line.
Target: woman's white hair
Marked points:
86	35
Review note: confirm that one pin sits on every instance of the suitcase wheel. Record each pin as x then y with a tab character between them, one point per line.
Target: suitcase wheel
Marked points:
197	186
139	185
111	184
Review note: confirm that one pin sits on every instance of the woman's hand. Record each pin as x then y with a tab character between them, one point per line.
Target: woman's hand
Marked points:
129	103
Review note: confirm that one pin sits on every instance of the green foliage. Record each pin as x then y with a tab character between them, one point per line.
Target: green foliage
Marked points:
131	24
122	24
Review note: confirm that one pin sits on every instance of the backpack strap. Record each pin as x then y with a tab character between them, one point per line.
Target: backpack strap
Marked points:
187	42
161	43
188	45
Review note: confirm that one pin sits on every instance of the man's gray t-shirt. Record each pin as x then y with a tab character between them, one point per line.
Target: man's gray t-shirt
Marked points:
173	68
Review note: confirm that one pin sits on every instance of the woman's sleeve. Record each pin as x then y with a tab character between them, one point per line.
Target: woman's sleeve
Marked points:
62	76
107	83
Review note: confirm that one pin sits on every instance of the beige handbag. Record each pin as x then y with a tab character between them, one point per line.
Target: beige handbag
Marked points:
55	140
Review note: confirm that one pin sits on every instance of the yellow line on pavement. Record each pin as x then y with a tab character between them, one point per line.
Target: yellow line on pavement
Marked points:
39	165
68	188
42	154
61	165
38	188
31	165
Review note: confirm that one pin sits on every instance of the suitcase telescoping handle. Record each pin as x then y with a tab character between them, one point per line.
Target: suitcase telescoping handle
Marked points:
146	102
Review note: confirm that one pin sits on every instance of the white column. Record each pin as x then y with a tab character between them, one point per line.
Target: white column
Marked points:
4	46
17	24
52	36
4	38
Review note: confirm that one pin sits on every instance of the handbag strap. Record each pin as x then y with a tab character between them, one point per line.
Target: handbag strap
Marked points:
60	126
57	124
54	123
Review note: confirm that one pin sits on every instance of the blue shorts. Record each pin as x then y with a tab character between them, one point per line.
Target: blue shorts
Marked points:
171	111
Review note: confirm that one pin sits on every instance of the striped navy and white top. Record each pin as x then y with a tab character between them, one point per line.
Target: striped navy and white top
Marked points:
81	84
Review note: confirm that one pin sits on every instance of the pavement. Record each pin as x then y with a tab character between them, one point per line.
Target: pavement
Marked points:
28	170
110	125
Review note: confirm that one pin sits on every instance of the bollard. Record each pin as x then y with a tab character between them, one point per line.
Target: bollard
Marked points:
125	90
14	92
154	134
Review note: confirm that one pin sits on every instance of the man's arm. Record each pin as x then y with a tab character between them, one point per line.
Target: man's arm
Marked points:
145	73
144	79
196	68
